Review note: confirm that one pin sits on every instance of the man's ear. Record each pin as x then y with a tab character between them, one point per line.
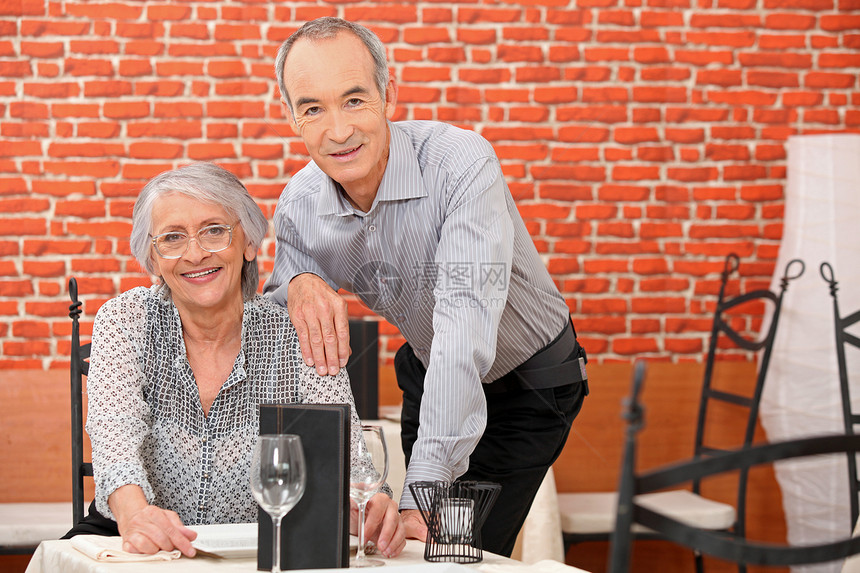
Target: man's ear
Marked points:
289	115
390	96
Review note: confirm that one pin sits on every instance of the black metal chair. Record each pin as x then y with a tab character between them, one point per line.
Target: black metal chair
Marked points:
582	513
722	545
845	339
79	368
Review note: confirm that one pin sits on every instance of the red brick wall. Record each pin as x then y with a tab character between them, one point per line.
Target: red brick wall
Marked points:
642	139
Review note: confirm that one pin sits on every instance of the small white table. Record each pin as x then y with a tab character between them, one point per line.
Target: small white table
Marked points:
56	556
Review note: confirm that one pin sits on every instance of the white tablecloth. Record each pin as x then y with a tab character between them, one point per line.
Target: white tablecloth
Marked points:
60	556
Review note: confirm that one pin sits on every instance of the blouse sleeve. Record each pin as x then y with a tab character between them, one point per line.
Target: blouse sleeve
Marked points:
118	418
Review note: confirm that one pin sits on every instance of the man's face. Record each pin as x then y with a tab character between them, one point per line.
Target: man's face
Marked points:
339	112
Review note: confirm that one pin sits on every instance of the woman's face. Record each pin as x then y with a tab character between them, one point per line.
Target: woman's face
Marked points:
200	281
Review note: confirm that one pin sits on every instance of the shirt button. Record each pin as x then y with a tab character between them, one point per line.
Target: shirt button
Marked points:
371	228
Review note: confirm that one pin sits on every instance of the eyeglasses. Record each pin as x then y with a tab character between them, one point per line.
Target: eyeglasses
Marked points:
211	238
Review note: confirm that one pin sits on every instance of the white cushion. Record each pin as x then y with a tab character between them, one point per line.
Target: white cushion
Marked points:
595	512
28	524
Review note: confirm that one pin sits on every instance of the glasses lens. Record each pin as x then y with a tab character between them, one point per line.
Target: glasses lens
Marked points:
214	237
171	244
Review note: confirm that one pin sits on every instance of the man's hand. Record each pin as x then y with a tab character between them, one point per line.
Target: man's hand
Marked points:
414	523
382	524
319	316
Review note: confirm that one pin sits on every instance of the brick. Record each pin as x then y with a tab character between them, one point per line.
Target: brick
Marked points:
63	187
104	11
565	192
704	57
622	193
81	208
167	12
126	109
44	268
209	151
15	289
29	348
659	94
830	80
88	150
484	75
79	168
88	67
235	109
39	247
19	68
772	79
42	49
177	129
24	205
114	229
575	173
23	8
13	226
195	31
723	20
744	39
393	13
107	88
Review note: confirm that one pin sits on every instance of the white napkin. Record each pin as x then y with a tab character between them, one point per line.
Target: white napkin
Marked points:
103	548
544	566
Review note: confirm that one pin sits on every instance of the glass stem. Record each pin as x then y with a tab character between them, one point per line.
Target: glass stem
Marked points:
359	555
276	543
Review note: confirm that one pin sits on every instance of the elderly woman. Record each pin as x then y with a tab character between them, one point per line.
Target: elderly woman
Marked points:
177	371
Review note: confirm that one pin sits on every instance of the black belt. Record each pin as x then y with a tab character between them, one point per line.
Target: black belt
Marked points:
559	363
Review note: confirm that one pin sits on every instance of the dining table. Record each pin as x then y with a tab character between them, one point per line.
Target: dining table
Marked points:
60	556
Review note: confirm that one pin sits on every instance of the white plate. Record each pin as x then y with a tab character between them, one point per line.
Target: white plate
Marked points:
234	540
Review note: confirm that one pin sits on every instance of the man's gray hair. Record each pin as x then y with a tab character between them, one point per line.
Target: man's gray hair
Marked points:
208	183
327	28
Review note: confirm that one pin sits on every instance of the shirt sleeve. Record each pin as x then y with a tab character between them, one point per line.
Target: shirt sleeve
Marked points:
291	254
118	418
473	262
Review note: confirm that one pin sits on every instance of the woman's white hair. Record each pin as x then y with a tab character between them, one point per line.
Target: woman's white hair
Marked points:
208	183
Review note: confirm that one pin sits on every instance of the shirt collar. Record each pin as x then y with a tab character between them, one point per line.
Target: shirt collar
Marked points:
402	179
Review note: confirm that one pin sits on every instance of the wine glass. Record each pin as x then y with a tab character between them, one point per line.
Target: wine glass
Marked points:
368	471
278	481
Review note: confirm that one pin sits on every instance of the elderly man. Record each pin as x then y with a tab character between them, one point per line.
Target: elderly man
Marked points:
416	219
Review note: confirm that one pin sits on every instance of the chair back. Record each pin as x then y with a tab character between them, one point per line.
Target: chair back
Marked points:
718	544
722	328
78	368
849	417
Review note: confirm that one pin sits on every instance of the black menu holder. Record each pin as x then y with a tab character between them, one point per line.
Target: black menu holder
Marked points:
315	533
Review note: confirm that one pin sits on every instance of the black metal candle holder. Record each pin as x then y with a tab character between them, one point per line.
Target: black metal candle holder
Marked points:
454	514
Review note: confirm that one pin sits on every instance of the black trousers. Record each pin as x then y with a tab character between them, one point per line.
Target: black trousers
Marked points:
526	431
94	523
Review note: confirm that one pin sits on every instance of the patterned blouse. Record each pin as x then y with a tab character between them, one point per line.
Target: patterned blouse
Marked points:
146	421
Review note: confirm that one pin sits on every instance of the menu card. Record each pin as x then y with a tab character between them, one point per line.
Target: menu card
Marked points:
315	533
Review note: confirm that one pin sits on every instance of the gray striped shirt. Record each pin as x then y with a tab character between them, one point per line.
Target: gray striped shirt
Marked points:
442	254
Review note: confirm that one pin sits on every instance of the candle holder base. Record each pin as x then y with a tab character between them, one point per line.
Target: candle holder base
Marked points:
454	514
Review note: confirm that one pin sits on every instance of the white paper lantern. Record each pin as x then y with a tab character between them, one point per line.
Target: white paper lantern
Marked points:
801	395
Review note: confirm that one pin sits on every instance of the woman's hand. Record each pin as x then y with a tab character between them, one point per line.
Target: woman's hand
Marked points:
382	524
146	528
